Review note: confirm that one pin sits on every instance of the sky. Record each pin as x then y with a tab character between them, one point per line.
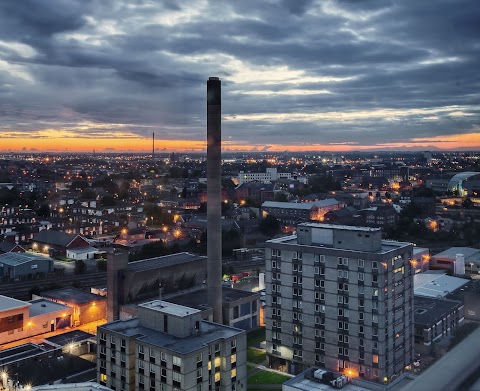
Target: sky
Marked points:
299	75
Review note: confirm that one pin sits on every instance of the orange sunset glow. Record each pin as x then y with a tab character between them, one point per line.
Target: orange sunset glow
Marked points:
64	141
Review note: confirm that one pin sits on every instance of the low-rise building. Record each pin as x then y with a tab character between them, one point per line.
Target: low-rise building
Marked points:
435	318
87	307
15	266
169	346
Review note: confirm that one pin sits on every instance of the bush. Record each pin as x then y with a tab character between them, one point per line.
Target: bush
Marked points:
80	267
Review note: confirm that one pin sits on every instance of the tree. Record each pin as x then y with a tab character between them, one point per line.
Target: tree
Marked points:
108	200
102	265
80	267
269	226
323	184
281	197
43	210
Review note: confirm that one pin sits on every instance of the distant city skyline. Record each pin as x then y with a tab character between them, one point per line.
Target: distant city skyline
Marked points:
297	75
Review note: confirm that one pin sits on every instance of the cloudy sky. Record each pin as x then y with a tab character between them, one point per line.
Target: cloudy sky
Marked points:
296	74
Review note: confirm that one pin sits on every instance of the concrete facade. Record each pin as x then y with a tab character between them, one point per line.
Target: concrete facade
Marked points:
169	347
339	297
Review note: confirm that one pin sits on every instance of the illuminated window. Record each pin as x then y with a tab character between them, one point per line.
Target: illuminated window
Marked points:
233	358
375	359
217	361
234	372
217	376
209	365
103	377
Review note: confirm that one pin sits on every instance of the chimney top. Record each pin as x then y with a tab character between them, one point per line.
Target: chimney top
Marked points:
214	78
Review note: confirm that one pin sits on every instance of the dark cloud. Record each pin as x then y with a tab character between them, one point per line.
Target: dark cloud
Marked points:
295	71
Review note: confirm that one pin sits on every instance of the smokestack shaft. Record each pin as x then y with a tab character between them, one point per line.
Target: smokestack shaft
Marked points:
214	217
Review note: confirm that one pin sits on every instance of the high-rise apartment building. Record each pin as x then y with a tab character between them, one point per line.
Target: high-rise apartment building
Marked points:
169	347
340	298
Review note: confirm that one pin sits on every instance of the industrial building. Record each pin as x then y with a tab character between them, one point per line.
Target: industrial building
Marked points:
87	307
22	319
294	213
169	346
17	265
339	298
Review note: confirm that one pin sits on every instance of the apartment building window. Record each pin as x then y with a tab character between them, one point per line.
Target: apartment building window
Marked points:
343	274
374	318
275	288
342	299
342	351
319	320
361	276
141	349
361	263
199	357
320	308
297	255
141	382
276	323
276	276
375	292
297	304
360	342
297	267
374	278
319	333
276	335
343	338
297	340
374	332
123	343
360	316
342	286
103	336
276	300
361	329
360	303
374	265
275	264
374	305
276	312
375	359
343	325
297	280
297	292
319	258
297	316
141	366
319	283
297	353
319	296
112	341
342	261
276	253
343	312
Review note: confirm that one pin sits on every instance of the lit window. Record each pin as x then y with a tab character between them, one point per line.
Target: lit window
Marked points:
217	376
234	372
375	359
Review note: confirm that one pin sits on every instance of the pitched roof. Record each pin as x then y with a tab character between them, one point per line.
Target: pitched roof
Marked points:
57	238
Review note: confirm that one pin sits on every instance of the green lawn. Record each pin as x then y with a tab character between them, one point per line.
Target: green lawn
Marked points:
267	377
255	337
256	356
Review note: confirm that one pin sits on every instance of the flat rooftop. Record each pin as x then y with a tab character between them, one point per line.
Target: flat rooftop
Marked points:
340	227
198	299
45	306
72	295
429	310
164	261
8	303
87	386
69	337
436	285
169	308
19	352
387	245
210	332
